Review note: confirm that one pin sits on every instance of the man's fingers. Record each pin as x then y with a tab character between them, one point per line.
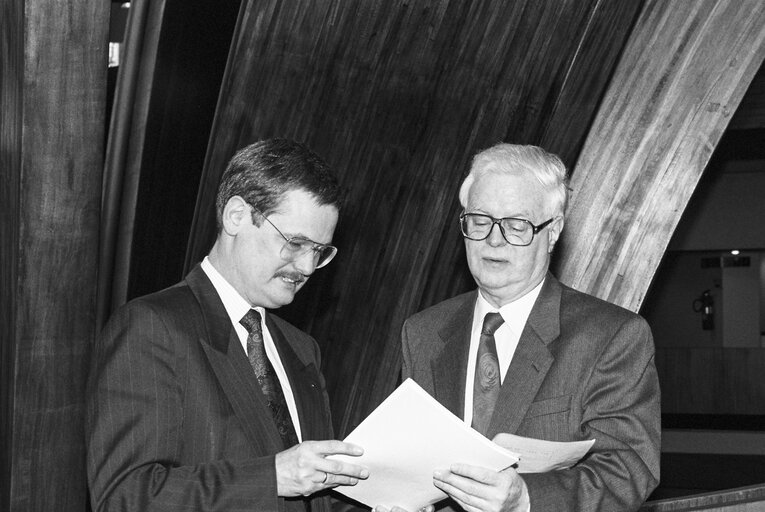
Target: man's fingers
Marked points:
479	474
336	480
334	447
304	469
459	482
463	499
445	485
338	472
380	508
476	488
337	468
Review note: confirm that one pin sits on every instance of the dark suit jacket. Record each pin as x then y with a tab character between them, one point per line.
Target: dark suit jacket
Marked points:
583	369
175	417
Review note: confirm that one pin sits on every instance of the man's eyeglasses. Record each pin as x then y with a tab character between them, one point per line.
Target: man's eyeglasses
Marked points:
477	226
296	247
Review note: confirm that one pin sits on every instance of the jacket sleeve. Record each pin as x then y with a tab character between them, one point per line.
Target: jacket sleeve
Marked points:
621	410
134	427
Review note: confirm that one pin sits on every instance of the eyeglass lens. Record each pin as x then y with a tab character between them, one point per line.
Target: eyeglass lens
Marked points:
514	231
297	247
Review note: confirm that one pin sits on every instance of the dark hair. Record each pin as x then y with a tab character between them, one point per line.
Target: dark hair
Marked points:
263	172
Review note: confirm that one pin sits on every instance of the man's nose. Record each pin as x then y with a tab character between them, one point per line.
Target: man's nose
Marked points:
495	238
306	263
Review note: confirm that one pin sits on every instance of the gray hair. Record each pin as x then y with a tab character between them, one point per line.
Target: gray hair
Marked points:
546	167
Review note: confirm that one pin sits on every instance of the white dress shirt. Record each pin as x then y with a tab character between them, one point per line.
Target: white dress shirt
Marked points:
237	307
506	337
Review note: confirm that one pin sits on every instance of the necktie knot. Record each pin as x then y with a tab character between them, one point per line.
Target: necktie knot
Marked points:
491	322
251	321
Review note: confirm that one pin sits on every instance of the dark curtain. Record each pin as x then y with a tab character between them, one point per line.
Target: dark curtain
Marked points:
122	163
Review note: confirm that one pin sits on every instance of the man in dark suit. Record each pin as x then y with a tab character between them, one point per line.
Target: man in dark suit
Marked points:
526	355
201	399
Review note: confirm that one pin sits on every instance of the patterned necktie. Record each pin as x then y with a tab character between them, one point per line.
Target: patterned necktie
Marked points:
267	378
486	382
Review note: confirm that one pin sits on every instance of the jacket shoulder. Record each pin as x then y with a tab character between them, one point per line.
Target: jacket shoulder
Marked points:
175	306
442	310
178	297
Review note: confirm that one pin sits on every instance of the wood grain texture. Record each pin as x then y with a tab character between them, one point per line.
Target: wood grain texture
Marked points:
11	80
679	80
397	96
53	90
744	499
714	381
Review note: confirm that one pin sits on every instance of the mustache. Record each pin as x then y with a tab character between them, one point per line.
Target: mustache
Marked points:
293	276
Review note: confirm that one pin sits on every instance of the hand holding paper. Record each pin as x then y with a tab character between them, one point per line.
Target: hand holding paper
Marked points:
408	437
474	487
303	469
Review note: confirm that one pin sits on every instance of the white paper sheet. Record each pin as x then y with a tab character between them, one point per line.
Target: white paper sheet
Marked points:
408	436
538	456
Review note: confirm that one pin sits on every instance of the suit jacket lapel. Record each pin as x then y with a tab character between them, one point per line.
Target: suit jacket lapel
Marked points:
531	361
231	367
450	367
304	381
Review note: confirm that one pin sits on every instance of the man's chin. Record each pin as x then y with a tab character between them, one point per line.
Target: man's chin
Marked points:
285	295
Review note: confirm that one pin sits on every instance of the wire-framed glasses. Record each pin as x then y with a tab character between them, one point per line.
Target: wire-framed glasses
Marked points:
296	246
515	231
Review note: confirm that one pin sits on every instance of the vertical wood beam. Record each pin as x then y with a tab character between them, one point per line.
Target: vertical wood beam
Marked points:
53	90
680	79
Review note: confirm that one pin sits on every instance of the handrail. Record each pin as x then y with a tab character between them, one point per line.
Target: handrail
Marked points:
740	499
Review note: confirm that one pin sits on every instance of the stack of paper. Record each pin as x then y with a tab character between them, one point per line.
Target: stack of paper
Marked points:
407	437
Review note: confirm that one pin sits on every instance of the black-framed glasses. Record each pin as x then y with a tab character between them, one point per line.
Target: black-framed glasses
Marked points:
515	231
296	247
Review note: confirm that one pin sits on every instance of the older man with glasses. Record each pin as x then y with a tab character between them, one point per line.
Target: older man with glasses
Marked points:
199	397
527	355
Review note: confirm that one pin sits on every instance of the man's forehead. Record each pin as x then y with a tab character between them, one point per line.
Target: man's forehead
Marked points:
507	195
506	183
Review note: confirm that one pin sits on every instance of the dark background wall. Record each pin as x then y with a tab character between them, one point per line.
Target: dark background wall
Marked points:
395	94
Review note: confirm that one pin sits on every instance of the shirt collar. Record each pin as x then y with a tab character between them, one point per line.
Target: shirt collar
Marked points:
235	305
515	314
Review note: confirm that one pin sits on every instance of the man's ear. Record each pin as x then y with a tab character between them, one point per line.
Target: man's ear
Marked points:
236	214
554	230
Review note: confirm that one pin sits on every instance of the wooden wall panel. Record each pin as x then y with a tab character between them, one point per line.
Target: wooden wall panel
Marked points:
692	381
11	80
679	81
397	96
53	70
744	499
